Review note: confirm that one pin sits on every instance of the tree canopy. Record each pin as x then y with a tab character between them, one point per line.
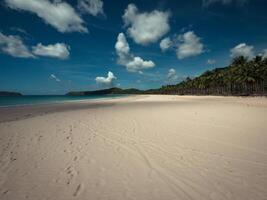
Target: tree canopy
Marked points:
241	76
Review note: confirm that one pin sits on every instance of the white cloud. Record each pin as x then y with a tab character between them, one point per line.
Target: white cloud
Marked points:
138	64
172	76
207	3
58	50
106	81
165	44
122	50
52	76
264	55
20	30
92	7
211	61
242	50
189	44
125	58
147	27
14	46
58	14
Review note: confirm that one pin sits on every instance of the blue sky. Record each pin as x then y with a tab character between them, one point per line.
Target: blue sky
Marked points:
53	46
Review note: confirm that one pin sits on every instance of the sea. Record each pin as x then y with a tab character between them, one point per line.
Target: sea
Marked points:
7	101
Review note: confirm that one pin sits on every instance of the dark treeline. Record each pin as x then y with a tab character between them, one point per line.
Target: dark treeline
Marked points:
242	77
113	90
6	93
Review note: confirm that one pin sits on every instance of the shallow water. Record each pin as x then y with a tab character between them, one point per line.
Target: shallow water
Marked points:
45	99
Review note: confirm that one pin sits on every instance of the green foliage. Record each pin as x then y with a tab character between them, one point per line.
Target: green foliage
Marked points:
241	75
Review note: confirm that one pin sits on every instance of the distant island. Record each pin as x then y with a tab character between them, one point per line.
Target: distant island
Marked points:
241	78
6	93
113	90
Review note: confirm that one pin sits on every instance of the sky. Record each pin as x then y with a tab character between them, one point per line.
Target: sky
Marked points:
56	46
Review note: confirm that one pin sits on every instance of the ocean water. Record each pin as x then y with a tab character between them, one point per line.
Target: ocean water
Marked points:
47	99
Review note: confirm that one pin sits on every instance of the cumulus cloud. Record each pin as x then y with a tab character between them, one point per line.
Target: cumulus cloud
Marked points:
172	75
52	76
14	46
58	14
242	50
92	7
106	81
125	58
58	50
122	50
147	27
189	44
211	61
138	64
165	44
207	3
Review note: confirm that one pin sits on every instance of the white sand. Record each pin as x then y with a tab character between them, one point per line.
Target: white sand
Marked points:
146	147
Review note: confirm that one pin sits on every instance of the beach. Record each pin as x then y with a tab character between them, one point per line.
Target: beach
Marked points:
138	147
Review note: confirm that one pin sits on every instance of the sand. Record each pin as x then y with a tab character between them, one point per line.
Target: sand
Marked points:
140	147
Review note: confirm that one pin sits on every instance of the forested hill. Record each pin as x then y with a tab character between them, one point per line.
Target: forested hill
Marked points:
5	93
106	92
242	77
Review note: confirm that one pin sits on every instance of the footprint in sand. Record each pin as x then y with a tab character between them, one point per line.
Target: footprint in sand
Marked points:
75	158
5	192
77	191
71	174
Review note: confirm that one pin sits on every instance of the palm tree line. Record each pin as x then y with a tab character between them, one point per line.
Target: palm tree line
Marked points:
241	77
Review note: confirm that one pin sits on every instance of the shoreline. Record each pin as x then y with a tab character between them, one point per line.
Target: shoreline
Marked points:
18	112
103	97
